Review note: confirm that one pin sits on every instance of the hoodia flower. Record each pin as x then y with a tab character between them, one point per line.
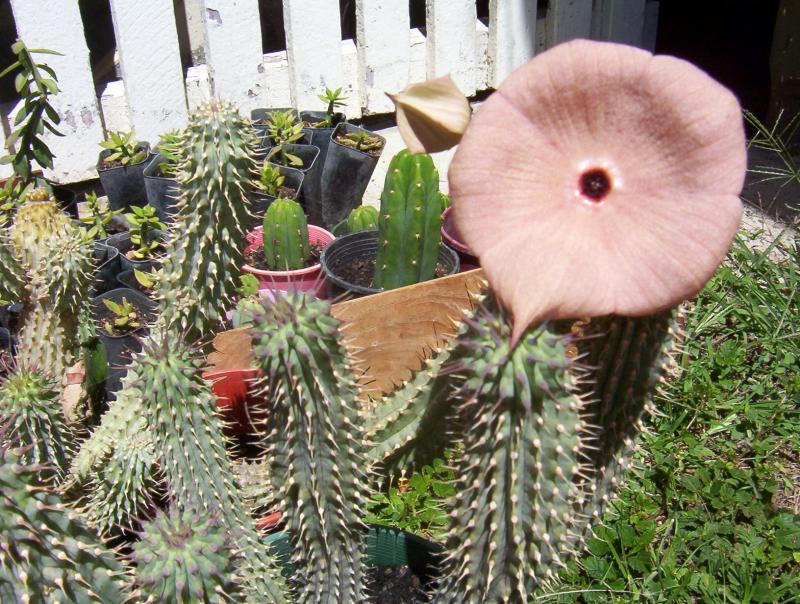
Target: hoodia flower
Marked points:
600	179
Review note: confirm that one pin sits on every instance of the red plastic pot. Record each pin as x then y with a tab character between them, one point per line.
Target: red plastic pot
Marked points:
309	279
232	389
452	238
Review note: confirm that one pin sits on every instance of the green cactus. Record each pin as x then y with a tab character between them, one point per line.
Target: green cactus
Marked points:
285	236
362	218
315	445
185	558
37	421
409	227
12	277
201	259
46	553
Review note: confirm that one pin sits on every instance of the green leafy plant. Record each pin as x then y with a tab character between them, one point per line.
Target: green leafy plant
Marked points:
97	216
35	83
144	224
169	146
361	141
148	280
125	150
126	318
270	180
418	504
334	99
283	129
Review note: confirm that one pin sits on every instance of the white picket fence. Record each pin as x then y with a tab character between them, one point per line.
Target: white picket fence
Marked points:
154	95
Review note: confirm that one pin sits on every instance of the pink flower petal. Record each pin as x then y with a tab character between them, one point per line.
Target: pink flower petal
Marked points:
666	139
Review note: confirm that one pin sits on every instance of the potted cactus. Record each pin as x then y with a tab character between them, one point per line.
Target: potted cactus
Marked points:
273	182
407	246
159	175
121	169
284	252
362	218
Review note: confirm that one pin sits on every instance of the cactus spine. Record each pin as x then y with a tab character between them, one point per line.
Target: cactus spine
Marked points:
285	236
409	227
205	249
185	558
12	277
46	553
315	445
362	218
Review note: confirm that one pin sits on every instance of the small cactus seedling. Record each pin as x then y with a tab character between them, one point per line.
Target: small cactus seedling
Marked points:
409	228
270	180
285	235
144	236
126	318
185	558
334	100
125	150
97	217
362	218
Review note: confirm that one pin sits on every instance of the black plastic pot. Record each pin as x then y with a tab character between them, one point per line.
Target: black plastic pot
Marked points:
107	262
292	177
321	137
119	349
345	176
162	192
358	246
67	200
122	241
123	185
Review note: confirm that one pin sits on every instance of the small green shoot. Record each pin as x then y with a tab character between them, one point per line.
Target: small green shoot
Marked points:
334	99
284	129
271	180
144	224
126	318
361	141
149	280
124	149
98	216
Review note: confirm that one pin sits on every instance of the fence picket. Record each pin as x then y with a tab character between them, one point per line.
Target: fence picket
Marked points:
383	51
452	41
567	20
314	47
233	53
512	36
621	21
147	42
56	24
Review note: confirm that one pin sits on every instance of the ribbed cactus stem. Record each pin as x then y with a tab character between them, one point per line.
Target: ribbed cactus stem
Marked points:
12	276
285	236
409	227
185	558
205	252
315	445
47	554
513	514
36	420
362	218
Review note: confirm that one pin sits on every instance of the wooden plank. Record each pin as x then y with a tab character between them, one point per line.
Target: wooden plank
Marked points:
233	52
314	46
276	70
650	27
452	41
512	36
567	20
56	24
352	83
621	21
395	330
388	334
114	103
150	62
383	51
198	86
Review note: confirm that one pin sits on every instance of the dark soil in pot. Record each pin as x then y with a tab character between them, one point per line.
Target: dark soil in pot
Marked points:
124	185
255	258
389	585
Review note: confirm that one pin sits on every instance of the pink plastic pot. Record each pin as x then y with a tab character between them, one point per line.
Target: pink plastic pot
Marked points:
231	387
305	279
451	237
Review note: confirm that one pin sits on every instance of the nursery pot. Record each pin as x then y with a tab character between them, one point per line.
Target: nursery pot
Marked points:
321	137
345	177
67	200
344	251
308	153
162	192
123	185
106	260
292	177
452	238
232	389
122	241
386	547
119	349
310	279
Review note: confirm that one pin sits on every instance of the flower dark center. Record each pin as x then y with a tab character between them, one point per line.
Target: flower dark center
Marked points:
595	184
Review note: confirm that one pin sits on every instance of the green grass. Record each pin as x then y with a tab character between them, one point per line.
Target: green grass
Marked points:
706	517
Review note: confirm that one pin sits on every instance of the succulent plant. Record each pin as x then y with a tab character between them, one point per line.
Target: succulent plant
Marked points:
125	149
184	558
285	235
409	228
197	285
46	553
362	218
126	317
12	277
169	147
334	99
270	179
144	232
314	444
30	404
98	216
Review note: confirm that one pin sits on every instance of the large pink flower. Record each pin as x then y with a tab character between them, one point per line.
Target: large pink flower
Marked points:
600	179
